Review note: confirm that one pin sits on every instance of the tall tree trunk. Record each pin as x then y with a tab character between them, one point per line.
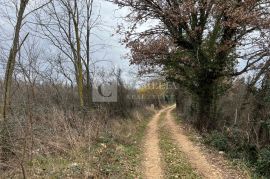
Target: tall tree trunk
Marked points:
5	141
12	58
80	82
88	86
206	118
75	17
88	79
179	99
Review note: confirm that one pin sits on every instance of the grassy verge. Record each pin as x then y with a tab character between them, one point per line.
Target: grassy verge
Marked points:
115	153
175	163
122	157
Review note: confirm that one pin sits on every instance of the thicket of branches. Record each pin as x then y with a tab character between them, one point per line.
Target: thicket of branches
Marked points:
47	77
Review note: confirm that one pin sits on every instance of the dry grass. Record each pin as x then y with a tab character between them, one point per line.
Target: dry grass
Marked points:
57	144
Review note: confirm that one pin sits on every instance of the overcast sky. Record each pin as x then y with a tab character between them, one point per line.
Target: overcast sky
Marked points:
111	55
114	52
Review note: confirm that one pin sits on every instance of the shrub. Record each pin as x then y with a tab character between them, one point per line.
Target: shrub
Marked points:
263	163
251	153
218	140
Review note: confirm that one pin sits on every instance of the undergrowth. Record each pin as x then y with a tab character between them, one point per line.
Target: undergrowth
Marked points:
246	156
114	153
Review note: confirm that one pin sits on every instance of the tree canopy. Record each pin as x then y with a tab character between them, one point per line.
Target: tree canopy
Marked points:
199	43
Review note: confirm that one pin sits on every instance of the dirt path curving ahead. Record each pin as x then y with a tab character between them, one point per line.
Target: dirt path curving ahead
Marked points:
204	162
152	156
207	163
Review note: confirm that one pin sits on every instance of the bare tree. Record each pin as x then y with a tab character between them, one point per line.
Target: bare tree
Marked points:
68	28
16	45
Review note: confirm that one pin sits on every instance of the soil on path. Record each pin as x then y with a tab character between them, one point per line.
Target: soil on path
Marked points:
152	156
203	162
193	153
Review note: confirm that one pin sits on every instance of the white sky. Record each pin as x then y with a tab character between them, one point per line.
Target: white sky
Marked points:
113	53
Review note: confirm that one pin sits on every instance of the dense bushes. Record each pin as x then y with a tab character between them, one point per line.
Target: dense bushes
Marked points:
242	123
263	162
259	159
218	140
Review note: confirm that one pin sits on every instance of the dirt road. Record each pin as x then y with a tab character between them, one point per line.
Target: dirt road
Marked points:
200	161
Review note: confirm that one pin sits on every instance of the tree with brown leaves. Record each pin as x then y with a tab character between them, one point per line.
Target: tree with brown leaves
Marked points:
198	43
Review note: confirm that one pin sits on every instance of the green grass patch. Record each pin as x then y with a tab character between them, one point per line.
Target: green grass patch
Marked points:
175	162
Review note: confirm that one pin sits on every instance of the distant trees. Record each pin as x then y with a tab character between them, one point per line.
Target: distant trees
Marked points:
154	91
199	43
